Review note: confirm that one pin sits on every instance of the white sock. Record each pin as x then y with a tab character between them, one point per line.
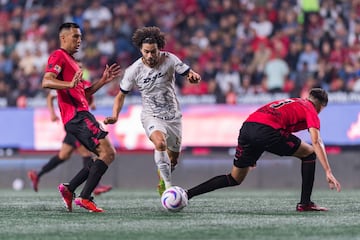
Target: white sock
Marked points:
162	161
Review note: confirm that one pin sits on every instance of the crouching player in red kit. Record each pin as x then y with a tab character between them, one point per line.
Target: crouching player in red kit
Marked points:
270	129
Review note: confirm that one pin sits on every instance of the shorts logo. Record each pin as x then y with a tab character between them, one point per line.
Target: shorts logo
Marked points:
151	127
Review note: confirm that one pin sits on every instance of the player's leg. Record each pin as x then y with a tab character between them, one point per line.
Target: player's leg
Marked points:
222	181
88	131
161	156
106	155
87	157
173	142
306	153
286	144
64	154
85	154
247	153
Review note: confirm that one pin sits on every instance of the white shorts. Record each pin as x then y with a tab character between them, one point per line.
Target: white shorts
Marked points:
171	128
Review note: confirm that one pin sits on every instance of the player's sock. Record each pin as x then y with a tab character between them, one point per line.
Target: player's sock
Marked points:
97	170
163	164
80	177
87	160
212	184
50	165
308	176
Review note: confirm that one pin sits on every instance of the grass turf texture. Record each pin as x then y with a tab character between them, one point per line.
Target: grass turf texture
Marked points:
224	214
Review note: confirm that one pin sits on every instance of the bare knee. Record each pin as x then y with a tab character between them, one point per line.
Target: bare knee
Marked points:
160	145
106	152
109	155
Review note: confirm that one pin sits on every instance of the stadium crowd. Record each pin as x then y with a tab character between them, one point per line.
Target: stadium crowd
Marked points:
238	46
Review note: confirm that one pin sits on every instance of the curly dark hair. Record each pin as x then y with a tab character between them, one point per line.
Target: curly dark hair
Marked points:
149	35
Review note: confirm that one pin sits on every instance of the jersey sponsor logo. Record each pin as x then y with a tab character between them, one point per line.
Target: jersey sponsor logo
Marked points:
153	78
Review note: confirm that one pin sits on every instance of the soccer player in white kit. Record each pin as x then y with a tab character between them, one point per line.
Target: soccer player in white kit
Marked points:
154	76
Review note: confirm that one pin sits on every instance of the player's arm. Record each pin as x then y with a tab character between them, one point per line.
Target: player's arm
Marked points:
50	104
118	104
50	81
319	149
110	73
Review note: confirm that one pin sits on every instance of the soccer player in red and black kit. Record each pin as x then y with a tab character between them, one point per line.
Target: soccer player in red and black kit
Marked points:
270	129
64	74
69	145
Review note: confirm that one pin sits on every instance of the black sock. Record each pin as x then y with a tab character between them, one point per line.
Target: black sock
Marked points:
80	177
97	170
212	184
50	165
308	176
86	161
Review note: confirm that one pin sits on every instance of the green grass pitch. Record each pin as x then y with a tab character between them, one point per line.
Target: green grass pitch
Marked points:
223	215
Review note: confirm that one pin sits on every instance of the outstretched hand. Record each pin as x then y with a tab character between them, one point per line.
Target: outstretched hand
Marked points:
110	120
54	118
333	183
111	72
193	77
76	79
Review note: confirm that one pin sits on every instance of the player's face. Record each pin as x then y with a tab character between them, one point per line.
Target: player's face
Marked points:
71	40
150	53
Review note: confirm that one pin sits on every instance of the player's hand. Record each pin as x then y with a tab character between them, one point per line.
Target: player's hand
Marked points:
111	72
54	118
333	183
92	106
193	77
76	79
110	120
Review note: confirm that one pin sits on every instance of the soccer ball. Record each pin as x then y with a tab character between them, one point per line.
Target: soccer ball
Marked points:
174	199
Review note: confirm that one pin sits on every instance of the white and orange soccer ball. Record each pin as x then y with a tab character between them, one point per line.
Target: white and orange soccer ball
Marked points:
174	199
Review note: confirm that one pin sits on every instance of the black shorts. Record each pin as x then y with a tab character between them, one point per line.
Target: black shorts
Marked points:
71	140
86	129
256	138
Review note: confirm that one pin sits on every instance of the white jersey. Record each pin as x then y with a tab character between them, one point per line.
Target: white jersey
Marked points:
156	85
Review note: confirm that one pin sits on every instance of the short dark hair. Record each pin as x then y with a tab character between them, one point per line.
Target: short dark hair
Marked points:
68	25
149	35
320	95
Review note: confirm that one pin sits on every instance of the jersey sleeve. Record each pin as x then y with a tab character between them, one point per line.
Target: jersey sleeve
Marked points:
54	63
180	67
312	120
127	82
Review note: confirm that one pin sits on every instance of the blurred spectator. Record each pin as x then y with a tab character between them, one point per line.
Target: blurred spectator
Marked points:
228	79
256	67
262	26
98	15
338	54
292	58
276	72
310	56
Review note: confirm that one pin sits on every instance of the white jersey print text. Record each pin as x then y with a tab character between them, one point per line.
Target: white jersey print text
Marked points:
156	85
